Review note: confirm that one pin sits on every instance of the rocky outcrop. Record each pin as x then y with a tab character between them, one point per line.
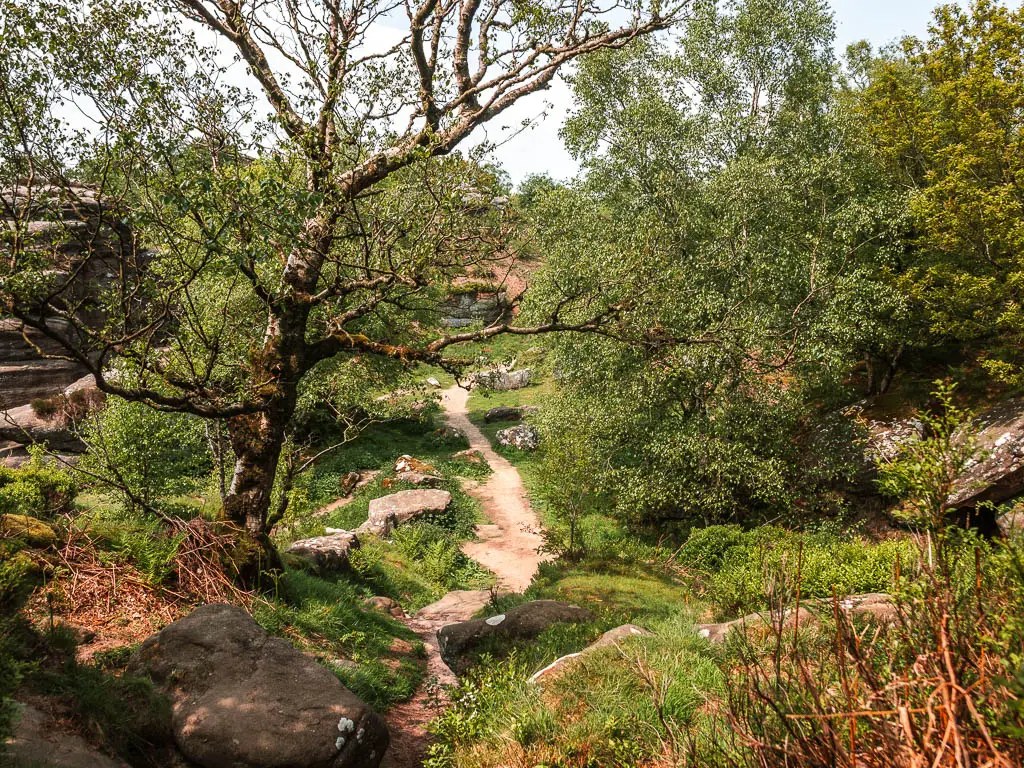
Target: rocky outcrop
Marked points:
874	607
87	247
326	553
996	474
38	741
509	413
470	456
467	308
521	436
457	642
390	511
241	698
407	463
386	605
611	638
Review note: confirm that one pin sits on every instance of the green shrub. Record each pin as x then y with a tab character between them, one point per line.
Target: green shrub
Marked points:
740	571
36	489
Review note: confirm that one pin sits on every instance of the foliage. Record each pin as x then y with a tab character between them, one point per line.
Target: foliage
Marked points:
142	455
945	115
940	686
925	472
37	489
738	571
742	307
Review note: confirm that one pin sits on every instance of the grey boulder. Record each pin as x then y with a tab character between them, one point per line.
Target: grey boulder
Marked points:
388	512
326	553
241	698
521	436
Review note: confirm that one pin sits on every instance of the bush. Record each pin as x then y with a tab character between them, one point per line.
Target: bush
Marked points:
739	570
36	489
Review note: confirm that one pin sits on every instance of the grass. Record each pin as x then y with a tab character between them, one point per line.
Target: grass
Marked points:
376	657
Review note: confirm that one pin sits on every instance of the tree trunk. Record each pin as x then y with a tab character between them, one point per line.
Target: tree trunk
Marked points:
257	441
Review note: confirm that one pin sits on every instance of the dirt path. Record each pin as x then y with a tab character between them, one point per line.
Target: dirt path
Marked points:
507	546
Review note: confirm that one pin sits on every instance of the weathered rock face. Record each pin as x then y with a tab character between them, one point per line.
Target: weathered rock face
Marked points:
83	240
390	511
521	436
243	699
997	474
502	381
465	309
612	637
457	641
326	553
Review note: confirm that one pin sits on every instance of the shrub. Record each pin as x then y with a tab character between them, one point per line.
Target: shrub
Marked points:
36	489
739	571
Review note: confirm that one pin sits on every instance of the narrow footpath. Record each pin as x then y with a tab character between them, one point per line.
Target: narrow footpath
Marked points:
507	546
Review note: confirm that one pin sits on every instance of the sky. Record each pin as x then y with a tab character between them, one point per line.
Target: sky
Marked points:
539	150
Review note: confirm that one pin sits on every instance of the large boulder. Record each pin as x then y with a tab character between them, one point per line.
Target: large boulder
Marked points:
390	511
326	553
522	436
997	472
241	698
457	642
502	381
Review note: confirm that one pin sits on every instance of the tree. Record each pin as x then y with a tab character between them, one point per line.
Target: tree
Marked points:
733	211
947	115
272	247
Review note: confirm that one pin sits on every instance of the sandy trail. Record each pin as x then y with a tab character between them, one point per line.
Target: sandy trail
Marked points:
507	546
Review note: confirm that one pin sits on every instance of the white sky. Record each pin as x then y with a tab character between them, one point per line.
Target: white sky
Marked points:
539	150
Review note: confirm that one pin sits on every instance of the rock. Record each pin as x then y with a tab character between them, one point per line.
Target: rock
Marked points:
38	741
326	553
386	605
873	607
433	382
522	436
34	532
996	474
241	698
419	479
409	464
349	483
470	456
502	381
503	413
23	425
449	433
390	511
524	622
470	307
458	605
612	637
